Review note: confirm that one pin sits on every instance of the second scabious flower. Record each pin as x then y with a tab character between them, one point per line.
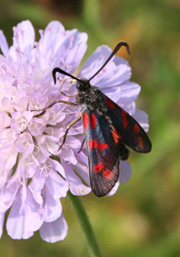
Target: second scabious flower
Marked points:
34	173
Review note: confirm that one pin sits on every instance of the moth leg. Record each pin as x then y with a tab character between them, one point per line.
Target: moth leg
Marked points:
67	129
62	101
57	101
68	95
80	149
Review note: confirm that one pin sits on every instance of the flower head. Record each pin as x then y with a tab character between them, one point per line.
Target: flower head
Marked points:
33	123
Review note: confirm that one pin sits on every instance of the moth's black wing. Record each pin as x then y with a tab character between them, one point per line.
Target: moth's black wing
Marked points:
132	134
102	150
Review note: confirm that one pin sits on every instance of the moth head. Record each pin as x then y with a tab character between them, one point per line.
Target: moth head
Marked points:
83	84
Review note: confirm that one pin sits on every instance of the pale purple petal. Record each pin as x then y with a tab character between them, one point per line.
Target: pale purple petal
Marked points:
57	185
25	143
5	120
52	35
3	44
127	90
36	186
8	196
58	167
30	163
69	156
125	171
54	187
113	74
74	182
125	174
1	223
6	138
6	103
114	189
9	158
36	126
24	218
142	118
70	45
83	171
52	207
73	142
130	90
54	231
24	37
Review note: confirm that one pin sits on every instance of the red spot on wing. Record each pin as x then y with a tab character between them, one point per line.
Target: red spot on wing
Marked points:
110	103
85	120
136	128
102	146
108	174
125	122
94	144
116	135
98	167
93	120
140	142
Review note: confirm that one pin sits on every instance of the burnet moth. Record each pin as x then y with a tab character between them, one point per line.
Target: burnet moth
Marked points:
108	130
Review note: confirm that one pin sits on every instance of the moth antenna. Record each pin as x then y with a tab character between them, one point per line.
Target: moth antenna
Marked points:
55	70
118	46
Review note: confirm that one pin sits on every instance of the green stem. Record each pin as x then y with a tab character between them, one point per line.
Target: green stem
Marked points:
85	225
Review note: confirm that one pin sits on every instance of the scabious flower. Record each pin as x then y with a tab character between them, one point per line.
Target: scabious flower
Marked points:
34	173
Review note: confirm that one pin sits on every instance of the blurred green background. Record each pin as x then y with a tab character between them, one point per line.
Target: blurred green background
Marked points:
143	218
